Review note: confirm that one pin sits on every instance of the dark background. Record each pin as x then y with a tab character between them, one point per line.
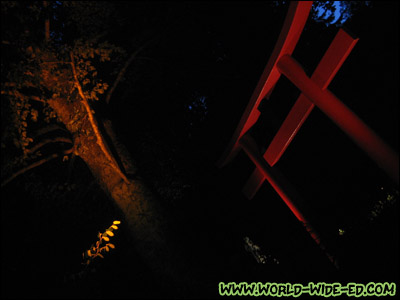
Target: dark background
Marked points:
209	56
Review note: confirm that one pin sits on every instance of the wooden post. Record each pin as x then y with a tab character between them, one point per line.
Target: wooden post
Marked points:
282	188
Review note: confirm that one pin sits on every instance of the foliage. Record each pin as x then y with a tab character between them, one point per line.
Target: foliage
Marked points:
383	201
255	250
87	18
35	72
384	204
95	250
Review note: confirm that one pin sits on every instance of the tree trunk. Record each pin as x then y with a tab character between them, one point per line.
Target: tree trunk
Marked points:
143	214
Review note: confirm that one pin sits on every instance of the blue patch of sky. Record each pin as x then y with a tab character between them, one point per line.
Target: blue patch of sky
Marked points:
339	10
199	103
341	13
343	10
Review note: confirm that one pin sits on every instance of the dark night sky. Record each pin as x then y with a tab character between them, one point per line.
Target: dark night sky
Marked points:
209	56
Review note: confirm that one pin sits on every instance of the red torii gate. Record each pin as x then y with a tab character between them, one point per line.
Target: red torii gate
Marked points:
314	92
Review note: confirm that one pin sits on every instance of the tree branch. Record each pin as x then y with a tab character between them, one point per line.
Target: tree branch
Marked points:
47	129
34	165
92	120
124	68
35	98
58	139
